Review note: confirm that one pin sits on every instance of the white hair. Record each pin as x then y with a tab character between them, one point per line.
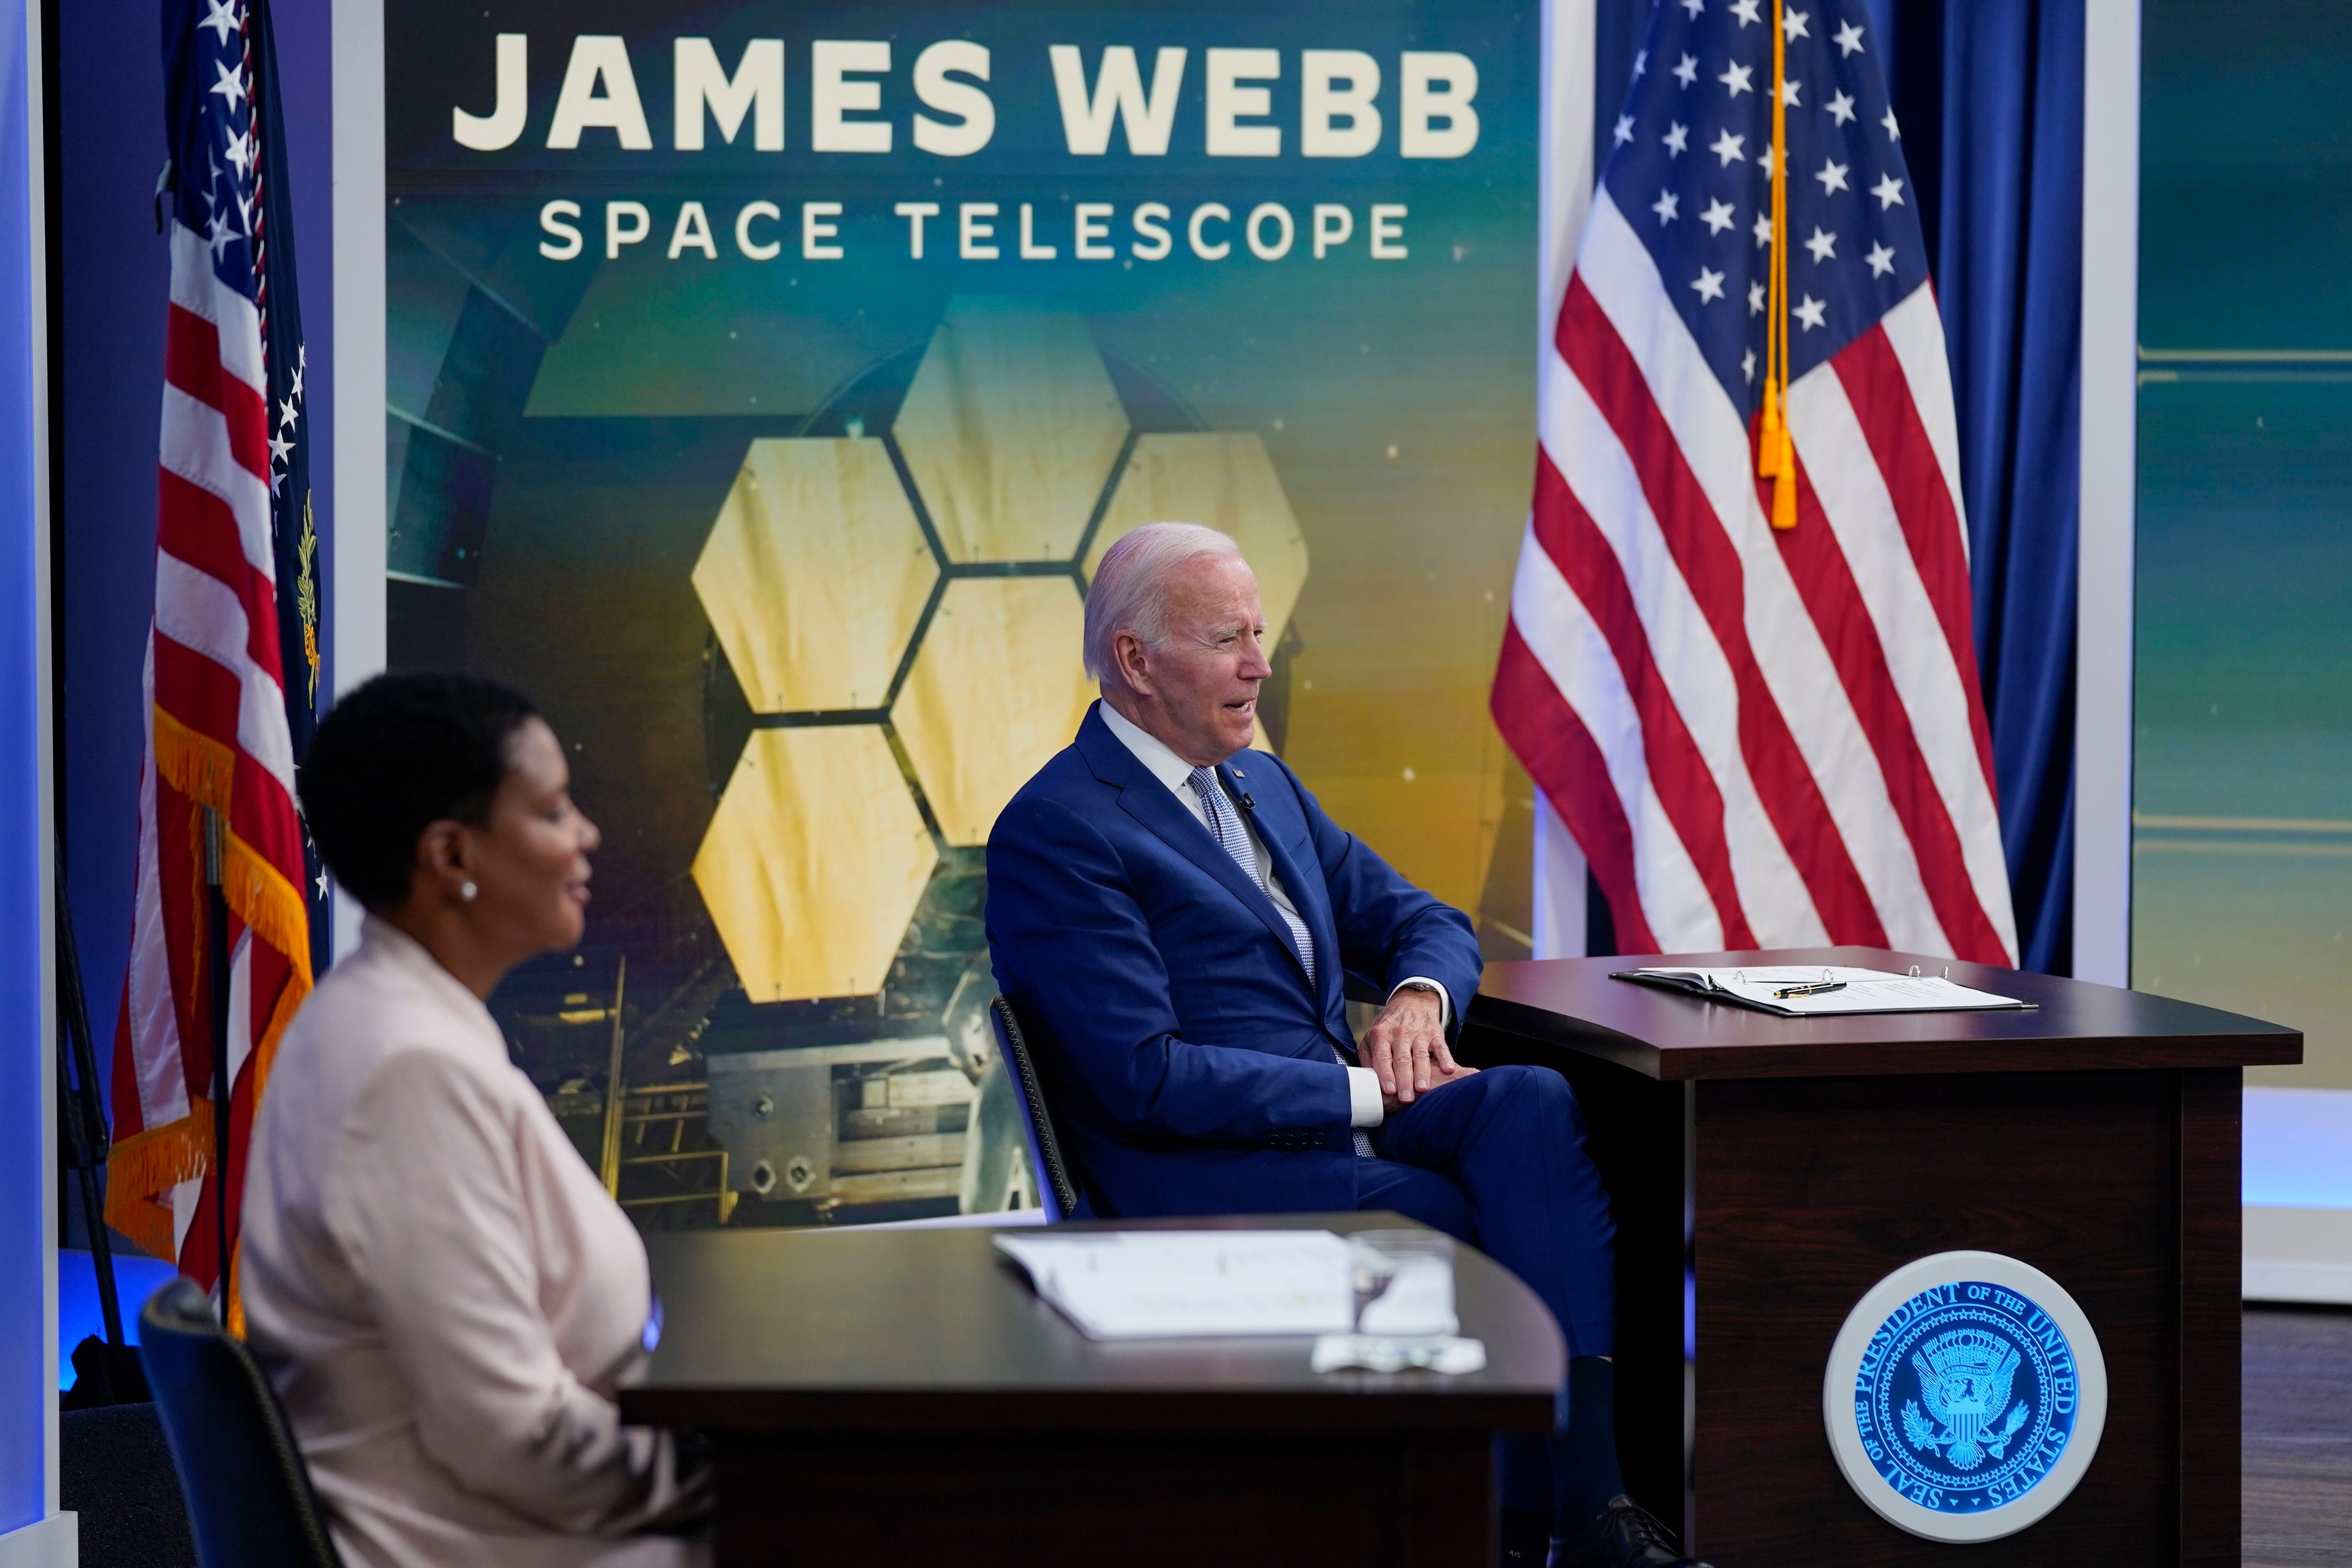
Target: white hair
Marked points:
1129	591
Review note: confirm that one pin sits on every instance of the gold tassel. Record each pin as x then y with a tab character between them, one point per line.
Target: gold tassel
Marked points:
1776	455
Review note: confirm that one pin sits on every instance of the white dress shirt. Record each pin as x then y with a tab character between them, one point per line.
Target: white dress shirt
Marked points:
442	1293
1162	763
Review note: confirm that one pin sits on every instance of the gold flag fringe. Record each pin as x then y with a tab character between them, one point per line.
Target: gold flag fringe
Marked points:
145	1165
205	770
235	1322
147	1223
194	763
264	899
265	1049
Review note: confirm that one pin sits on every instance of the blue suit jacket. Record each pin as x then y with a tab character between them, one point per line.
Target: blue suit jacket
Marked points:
1187	1058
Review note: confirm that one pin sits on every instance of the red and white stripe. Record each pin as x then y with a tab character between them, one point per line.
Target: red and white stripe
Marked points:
1759	739
217	738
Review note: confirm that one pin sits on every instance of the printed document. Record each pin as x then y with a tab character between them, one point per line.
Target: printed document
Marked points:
1159	1284
1813	991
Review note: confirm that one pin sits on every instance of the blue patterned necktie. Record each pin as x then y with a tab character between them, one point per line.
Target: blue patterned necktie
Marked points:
1225	826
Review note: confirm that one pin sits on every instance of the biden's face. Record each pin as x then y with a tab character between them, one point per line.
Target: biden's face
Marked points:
1204	675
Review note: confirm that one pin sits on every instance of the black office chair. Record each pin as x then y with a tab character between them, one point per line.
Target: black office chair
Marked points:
1058	1194
248	1493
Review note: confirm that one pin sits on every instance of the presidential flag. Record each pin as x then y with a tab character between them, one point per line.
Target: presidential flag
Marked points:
1739	661
232	659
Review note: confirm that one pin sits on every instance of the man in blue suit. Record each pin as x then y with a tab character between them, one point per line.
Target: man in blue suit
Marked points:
1178	913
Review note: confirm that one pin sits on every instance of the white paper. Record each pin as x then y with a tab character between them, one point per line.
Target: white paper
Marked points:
1167	1284
1866	990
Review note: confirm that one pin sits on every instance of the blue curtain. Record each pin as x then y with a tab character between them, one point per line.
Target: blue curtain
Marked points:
1990	96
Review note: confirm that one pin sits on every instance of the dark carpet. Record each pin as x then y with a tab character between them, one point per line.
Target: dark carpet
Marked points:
114	1470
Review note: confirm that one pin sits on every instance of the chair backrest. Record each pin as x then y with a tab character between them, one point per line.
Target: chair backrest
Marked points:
249	1493
1058	1194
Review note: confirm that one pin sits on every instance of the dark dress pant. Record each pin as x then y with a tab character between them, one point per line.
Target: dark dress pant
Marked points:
1497	1160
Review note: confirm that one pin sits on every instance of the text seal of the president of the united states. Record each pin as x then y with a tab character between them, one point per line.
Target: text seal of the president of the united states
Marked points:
1965	1395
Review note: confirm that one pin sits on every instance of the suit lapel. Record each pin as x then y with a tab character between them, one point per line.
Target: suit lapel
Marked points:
1308	894
1155	806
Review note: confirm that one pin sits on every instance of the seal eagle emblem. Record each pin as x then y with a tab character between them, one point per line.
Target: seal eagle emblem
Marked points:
1965	1377
1965	1395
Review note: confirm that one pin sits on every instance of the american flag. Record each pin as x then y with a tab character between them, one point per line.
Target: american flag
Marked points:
1761	736
235	616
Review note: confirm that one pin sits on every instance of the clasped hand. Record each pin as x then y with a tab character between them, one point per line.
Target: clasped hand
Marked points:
1406	1046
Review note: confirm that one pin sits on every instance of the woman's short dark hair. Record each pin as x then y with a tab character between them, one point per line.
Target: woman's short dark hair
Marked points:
394	755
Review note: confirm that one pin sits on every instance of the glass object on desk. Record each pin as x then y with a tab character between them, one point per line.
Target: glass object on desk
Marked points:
1404	1282
1404	1309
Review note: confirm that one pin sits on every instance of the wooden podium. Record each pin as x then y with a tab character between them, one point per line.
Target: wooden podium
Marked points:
1793	1163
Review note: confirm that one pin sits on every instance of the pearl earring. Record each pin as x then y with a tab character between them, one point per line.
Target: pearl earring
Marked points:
467	892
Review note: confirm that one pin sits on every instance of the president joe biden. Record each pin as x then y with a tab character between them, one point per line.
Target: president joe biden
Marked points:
1179	915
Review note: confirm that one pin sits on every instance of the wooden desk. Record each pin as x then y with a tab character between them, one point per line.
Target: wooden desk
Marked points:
2096	1139
902	1397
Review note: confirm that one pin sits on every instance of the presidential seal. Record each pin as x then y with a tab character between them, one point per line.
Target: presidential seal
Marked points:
1965	1395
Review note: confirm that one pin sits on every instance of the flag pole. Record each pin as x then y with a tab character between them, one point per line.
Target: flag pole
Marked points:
84	1117
217	967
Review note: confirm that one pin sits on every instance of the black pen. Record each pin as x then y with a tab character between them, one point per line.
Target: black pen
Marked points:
1819	989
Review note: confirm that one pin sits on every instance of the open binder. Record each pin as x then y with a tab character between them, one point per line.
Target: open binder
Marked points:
1815	991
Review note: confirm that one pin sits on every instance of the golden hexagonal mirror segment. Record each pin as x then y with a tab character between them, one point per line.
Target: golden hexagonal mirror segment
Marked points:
814	574
998	686
1226	481
1010	428
814	862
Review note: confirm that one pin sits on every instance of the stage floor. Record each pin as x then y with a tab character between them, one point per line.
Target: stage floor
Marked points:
2298	1405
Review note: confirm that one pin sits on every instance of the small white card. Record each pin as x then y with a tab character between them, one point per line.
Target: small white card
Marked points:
1446	1354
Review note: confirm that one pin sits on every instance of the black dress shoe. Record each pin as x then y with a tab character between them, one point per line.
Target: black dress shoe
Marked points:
1626	1535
